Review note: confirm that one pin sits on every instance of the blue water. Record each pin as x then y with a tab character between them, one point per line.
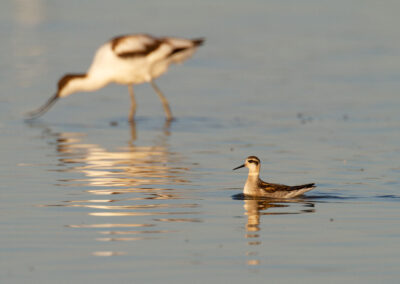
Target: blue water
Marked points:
311	88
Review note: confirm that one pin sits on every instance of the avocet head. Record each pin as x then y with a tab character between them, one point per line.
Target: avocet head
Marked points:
252	163
69	84
66	86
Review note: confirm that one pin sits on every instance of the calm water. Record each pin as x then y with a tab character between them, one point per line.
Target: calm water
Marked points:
311	88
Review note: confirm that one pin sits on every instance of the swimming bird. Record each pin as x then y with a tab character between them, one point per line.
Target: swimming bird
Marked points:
127	60
257	188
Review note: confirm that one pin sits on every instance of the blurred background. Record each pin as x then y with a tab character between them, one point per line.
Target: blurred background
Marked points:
310	87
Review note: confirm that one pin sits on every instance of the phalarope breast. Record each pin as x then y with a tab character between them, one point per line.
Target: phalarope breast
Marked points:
256	187
127	60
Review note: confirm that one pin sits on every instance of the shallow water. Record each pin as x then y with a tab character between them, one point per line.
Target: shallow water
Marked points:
311	89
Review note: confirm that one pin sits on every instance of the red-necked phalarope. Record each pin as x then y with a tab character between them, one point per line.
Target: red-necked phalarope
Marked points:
256	187
127	60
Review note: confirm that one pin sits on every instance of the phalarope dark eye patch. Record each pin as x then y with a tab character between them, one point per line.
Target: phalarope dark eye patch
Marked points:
252	161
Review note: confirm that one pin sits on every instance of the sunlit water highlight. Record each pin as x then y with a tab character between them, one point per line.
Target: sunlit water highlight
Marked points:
311	88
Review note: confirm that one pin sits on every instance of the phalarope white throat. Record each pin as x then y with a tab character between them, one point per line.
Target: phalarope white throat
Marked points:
256	187
127	60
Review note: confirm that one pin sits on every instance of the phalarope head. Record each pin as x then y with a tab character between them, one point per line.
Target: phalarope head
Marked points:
252	163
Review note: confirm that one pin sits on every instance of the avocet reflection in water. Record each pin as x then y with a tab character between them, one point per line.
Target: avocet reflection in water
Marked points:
137	190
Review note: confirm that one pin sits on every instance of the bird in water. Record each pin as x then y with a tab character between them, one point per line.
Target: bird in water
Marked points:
256	187
127	60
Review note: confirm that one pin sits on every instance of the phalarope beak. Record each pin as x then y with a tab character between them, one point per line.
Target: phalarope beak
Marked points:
242	166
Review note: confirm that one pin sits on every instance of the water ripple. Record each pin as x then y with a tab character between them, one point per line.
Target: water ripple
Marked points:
143	177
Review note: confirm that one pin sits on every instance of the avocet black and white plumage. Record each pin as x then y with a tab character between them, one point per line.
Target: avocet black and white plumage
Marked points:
127	60
256	187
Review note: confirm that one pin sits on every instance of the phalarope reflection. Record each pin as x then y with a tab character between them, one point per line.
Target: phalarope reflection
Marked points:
256	187
127	60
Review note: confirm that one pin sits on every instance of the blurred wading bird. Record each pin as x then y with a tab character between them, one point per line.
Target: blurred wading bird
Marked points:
258	188
127	60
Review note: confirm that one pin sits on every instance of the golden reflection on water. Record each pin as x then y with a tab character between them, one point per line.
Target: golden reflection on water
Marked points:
138	184
107	253
255	208
110	225
131	166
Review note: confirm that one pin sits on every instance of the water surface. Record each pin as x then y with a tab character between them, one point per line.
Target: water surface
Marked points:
311	88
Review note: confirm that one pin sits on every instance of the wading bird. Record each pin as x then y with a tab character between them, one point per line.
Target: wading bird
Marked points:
127	60
257	188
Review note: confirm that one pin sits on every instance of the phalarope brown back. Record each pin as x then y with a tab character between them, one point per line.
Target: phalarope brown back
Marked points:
258	188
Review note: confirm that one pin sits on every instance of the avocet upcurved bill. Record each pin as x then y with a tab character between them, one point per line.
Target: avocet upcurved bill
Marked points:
127	60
